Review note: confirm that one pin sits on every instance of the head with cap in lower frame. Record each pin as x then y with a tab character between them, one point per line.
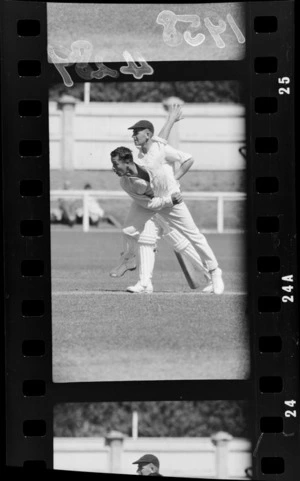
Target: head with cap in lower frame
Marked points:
148	465
143	131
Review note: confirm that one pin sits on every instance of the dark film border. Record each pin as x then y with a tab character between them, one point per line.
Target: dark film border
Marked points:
32	334
272	230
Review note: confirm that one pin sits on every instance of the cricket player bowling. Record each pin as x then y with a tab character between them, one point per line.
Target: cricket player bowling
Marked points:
158	159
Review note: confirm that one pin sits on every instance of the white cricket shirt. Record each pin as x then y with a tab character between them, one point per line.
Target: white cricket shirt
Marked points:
160	162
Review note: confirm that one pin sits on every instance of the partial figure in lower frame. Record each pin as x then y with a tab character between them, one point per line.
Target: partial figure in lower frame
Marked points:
148	465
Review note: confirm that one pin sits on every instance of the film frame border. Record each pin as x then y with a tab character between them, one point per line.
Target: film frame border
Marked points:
28	358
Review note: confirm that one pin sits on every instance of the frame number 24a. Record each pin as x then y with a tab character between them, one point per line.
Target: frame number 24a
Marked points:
288	288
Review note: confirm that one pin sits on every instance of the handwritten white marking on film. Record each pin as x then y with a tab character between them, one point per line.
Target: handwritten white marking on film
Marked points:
193	41
173	38
102	70
138	71
240	37
216	30
84	70
61	64
168	20
81	54
81	51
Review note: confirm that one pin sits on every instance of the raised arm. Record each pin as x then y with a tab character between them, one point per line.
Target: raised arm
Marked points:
174	116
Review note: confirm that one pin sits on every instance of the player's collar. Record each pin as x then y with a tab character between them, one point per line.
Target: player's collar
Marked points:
142	173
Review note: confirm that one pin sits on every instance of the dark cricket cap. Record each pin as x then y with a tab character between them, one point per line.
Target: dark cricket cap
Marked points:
148	458
142	124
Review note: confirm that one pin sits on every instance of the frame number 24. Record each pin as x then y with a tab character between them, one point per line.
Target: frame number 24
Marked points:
288	413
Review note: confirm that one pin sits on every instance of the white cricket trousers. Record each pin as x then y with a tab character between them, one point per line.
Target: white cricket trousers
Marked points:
178	217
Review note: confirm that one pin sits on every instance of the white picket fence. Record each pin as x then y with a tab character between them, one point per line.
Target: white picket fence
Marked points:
83	195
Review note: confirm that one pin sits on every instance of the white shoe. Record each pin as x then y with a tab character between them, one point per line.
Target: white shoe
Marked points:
217	281
208	289
124	266
139	289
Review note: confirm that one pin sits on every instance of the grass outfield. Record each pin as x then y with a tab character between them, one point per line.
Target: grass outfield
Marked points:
102	333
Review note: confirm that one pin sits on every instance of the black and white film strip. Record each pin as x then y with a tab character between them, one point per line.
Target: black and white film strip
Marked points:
56	313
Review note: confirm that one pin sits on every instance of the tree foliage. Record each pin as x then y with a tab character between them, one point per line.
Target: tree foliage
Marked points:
161	418
191	92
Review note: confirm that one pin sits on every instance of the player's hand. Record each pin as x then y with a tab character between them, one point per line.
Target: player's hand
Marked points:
177	198
150	194
175	113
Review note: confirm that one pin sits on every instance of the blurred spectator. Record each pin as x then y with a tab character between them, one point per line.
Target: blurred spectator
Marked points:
68	212
55	215
96	213
67	208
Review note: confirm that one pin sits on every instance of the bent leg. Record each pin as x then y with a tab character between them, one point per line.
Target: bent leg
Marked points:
133	226
180	218
180	243
128	260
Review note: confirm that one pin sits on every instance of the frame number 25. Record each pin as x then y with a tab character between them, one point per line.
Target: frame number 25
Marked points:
284	90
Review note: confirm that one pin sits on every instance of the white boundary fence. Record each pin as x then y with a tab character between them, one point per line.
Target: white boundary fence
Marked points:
217	457
220	197
83	135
